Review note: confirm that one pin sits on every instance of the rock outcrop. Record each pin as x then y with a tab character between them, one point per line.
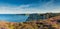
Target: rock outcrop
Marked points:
41	16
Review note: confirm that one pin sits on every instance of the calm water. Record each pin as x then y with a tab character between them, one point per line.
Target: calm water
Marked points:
13	17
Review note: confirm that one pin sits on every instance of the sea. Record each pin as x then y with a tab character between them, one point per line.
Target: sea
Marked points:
13	17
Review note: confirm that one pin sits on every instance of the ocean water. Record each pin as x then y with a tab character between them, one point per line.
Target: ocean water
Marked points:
13	17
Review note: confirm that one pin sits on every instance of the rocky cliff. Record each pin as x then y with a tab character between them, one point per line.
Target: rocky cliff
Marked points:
41	16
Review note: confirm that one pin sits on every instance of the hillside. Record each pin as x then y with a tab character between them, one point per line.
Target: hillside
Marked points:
41	16
50	23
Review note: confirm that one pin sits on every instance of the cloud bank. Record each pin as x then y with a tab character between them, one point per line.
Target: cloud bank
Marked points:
43	6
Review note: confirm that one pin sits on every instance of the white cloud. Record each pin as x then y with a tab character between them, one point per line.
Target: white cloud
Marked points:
17	10
27	9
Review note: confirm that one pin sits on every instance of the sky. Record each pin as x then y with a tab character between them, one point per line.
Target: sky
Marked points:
29	6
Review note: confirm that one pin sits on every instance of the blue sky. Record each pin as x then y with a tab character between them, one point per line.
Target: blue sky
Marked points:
29	6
